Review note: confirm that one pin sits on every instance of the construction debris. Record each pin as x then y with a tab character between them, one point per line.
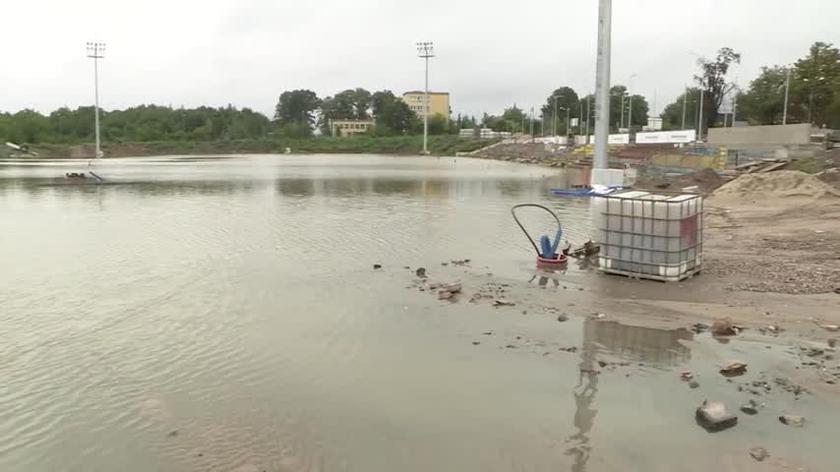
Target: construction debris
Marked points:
724	327
713	416
734	369
792	420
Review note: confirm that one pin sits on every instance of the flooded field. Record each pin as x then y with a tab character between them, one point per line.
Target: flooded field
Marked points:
223	314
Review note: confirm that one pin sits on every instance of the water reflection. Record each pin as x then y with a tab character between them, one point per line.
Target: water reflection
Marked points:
658	346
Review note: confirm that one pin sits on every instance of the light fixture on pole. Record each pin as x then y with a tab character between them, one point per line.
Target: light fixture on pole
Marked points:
426	50
96	51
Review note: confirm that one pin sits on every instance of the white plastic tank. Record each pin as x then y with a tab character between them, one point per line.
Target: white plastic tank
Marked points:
650	235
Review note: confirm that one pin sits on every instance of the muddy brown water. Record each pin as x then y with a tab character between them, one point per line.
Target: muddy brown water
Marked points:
223	314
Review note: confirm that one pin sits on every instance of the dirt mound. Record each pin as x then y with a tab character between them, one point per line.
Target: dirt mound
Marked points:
774	185
706	179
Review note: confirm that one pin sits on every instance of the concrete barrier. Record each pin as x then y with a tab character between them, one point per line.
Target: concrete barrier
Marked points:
761	136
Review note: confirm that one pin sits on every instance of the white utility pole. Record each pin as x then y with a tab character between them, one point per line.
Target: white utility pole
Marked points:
734	107
426	50
568	118
621	113
700	119
602	86
787	90
555	115
685	102
96	51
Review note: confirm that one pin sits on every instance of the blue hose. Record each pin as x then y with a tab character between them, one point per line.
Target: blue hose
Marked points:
549	249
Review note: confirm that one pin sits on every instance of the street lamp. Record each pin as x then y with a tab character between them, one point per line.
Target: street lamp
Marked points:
630	99
426	50
96	51
568	110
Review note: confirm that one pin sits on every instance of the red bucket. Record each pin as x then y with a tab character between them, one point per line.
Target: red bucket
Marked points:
558	260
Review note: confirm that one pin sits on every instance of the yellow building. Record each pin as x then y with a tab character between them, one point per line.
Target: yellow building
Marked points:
438	103
350	127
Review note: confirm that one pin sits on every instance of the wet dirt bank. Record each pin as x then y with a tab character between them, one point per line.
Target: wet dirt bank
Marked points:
649	340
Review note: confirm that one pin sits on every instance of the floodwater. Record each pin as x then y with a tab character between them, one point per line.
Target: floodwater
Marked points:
223	314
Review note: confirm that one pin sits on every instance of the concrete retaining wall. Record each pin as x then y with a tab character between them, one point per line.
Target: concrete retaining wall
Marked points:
760	136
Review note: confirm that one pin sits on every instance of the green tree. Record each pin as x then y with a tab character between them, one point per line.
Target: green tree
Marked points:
392	115
712	79
763	102
564	98
438	124
817	80
297	107
672	115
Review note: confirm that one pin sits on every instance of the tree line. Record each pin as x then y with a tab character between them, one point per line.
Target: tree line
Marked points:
812	84
299	112
136	124
563	107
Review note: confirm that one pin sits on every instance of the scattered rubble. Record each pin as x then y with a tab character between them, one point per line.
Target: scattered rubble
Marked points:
562	317
724	327
759	453
502	302
789	386
750	408
792	420
698	328
734	369
446	291
713	416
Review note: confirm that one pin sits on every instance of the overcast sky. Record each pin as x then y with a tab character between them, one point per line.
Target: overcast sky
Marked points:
489	54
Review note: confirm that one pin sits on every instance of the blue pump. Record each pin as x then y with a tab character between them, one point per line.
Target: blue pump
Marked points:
548	248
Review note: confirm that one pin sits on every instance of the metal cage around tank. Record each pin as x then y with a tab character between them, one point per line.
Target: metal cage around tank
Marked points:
652	236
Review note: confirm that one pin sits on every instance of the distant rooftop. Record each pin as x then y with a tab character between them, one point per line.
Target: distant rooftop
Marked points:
410	92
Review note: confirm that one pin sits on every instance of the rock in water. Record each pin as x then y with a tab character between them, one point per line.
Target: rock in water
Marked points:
750	408
793	420
759	453
713	416
733	369
420	272
724	327
377	266
563	317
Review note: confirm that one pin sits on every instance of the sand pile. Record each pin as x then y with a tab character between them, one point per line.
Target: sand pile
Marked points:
774	185
706	179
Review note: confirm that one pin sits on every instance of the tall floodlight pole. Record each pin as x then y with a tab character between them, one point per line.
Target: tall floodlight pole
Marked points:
630	100
685	102
787	90
426	50
96	51
555	115
602	87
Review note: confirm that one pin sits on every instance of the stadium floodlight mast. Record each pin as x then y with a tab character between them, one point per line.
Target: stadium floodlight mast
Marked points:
96	51
426	50
602	87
